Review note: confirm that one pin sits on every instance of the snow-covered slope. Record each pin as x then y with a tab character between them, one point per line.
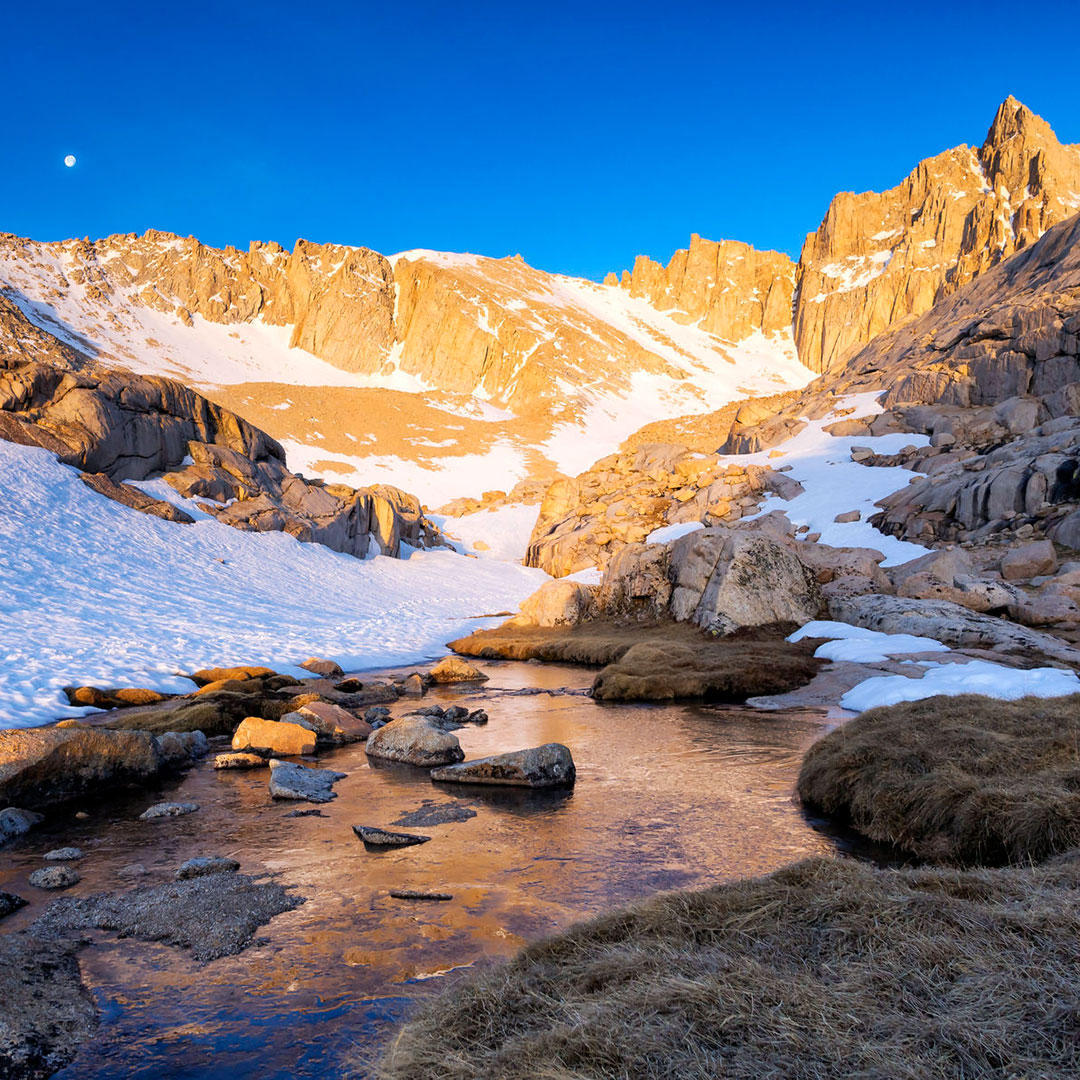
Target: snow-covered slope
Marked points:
92	592
445	375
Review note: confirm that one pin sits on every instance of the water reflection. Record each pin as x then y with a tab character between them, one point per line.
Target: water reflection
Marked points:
667	797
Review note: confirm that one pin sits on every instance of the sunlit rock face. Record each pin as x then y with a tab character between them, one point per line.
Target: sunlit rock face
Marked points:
880	257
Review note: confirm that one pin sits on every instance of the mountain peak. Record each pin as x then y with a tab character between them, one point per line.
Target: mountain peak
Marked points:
1013	118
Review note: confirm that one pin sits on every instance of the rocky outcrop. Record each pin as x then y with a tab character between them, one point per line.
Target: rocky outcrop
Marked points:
623	498
725	287
878	258
118	426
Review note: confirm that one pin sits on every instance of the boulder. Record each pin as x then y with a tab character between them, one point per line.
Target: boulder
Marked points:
205	865
15	822
240	674
331	722
414	685
41	766
756	582
558	603
291	781
945	566
372	834
327	669
168	810
63	854
182	747
240	761
1028	561
273	737
454	669
54	877
550	765
415	740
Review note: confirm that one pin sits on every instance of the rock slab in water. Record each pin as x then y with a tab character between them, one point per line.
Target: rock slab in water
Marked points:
550	765
41	766
419	894
453	669
204	865
240	761
273	737
168	810
377	837
436	814
415	740
291	781
63	854
15	822
54	877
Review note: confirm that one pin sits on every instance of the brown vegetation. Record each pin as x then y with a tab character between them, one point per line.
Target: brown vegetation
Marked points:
956	779
656	662
826	969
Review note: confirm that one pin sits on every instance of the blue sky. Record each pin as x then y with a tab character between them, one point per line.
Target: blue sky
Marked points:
576	135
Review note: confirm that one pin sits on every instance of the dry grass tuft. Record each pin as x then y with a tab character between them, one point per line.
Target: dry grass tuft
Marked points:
966	780
827	969
657	662
713	670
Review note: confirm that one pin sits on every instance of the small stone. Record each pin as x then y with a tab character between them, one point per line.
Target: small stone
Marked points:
327	669
168	809
377	837
239	761
291	781
204	865
849	516
432	813
63	854
54	877
349	686
376	712
454	669
313	812
9	902
477	716
419	894
414	685
81	815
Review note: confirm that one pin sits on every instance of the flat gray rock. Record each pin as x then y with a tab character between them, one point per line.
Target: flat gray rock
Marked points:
14	822
432	813
168	809
63	854
385	838
550	765
291	781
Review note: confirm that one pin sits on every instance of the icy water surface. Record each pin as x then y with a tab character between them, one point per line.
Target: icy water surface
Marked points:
675	796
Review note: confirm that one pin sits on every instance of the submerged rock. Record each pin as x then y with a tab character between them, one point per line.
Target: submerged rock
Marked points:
432	813
550	765
415	740
54	877
204	865
291	781
168	809
452	669
419	894
386	838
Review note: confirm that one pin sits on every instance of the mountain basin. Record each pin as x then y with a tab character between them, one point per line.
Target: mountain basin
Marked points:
667	797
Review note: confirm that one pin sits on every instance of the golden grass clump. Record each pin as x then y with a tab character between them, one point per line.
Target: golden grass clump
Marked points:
964	780
826	970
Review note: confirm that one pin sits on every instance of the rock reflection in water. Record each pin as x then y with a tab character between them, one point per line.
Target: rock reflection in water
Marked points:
667	797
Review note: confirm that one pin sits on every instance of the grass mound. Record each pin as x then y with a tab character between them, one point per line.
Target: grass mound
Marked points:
657	662
826	969
715	671
967	780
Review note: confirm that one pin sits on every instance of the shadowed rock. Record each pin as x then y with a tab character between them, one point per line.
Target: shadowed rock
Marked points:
386	838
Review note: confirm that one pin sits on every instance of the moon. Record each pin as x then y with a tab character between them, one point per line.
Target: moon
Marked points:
69	160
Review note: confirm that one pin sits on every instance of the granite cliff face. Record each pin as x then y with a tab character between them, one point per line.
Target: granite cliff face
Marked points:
724	287
880	257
